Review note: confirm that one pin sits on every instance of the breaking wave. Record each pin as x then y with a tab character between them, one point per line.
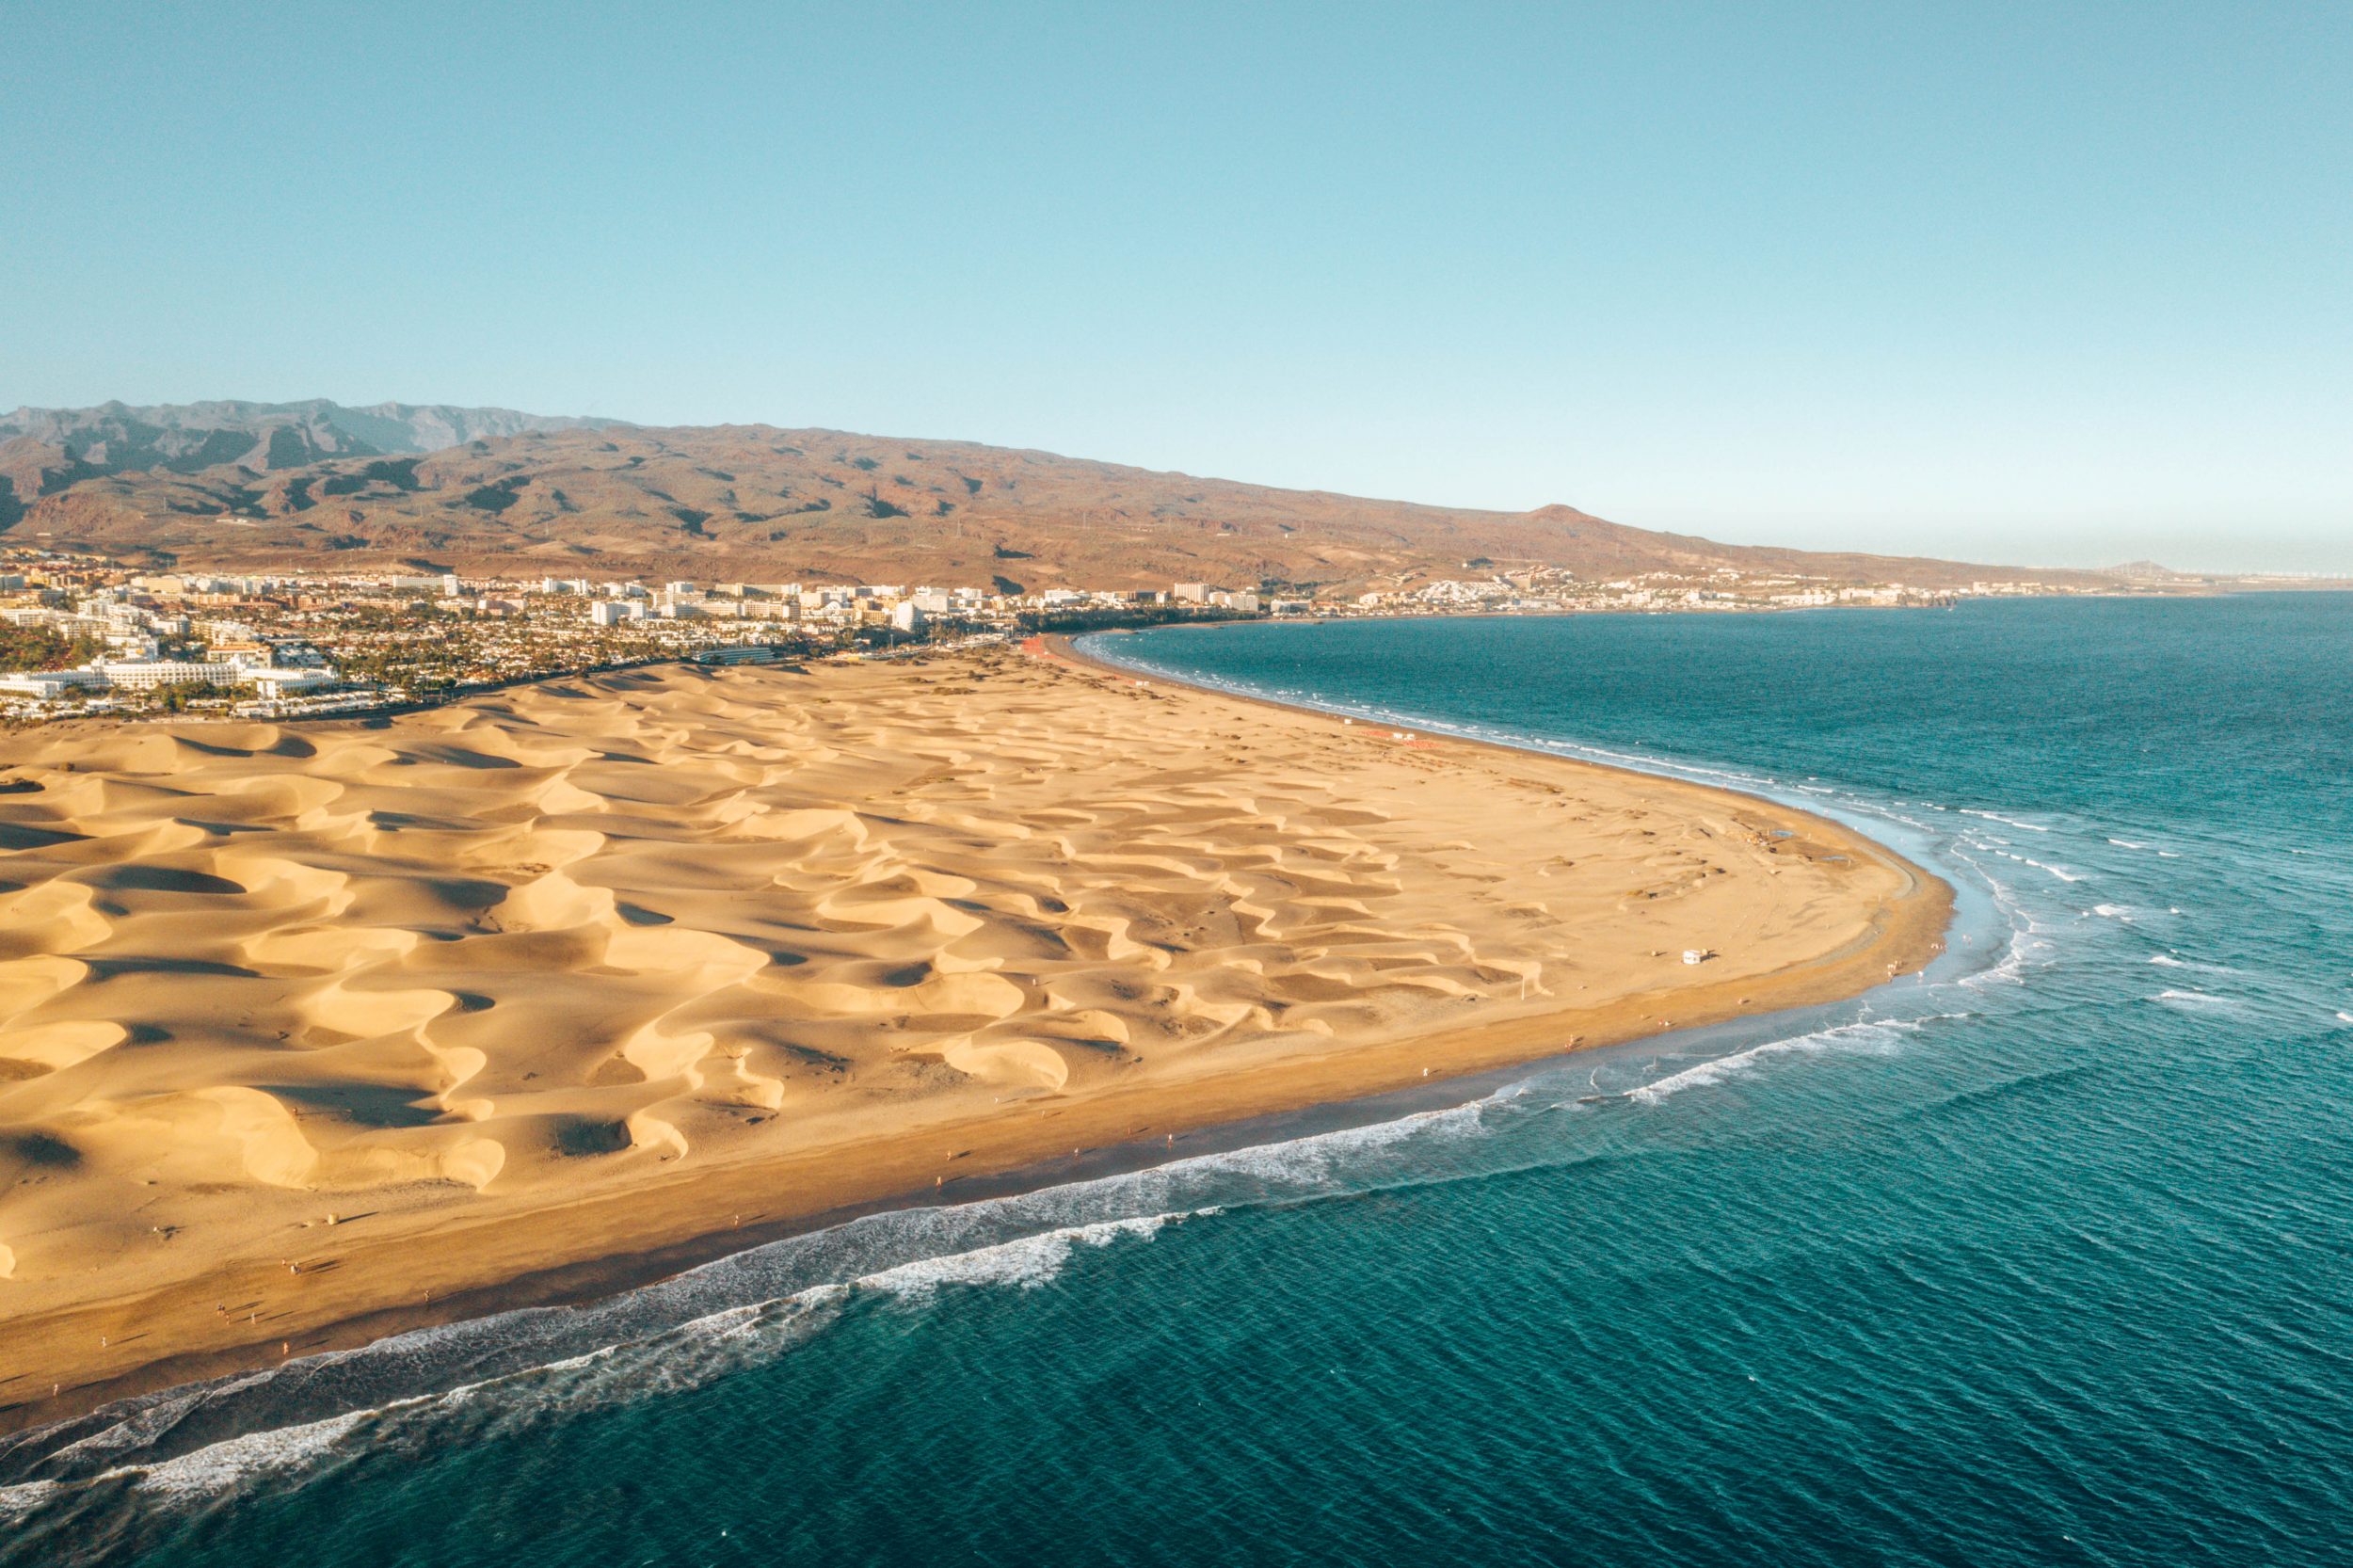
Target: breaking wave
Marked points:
1866	1036
466	1379
472	1381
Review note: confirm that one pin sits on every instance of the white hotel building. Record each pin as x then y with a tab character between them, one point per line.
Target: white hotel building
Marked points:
146	675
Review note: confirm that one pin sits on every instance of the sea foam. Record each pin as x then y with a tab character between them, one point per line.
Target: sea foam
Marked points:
2199	1001
682	1331
2006	822
1028	1263
1873	1036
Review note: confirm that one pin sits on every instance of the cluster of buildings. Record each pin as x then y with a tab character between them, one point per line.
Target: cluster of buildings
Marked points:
147	646
301	644
847	607
294	644
1548	590
828	607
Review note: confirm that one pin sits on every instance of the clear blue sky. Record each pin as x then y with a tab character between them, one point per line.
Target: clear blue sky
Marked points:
2062	283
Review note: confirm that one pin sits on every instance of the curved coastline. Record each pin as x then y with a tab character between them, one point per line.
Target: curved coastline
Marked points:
1922	880
1347	1086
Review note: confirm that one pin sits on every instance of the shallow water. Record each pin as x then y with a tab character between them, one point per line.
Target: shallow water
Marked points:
2040	1259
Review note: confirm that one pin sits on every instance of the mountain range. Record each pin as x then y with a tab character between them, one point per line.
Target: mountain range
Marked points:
315	484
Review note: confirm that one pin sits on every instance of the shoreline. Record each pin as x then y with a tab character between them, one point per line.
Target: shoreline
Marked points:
663	1225
1061	646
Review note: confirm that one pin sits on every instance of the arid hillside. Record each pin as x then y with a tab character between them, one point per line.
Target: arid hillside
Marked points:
760	504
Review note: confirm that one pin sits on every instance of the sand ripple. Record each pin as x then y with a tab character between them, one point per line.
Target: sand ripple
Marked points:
568	938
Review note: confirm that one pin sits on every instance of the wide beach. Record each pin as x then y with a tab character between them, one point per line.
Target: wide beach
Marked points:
312	1034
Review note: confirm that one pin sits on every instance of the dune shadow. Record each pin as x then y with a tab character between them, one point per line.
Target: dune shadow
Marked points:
456	756
39	1148
223	830
464	892
364	1104
17	835
399	821
161	879
109	968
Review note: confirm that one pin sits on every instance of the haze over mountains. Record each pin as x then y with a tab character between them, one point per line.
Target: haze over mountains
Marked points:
318	486
189	438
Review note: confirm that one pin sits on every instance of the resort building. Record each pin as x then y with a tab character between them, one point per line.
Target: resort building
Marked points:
48	685
146	675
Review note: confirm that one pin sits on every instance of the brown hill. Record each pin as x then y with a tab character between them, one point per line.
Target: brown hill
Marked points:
759	503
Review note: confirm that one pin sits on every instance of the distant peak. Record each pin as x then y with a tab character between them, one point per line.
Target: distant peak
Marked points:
163	432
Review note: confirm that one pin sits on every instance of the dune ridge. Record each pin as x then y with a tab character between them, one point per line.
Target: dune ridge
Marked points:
603	964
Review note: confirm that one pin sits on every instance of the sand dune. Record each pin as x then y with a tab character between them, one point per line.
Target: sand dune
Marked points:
572	969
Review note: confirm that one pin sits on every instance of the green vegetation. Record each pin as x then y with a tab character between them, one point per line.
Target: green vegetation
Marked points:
44	648
580	1139
1137	615
490	497
179	695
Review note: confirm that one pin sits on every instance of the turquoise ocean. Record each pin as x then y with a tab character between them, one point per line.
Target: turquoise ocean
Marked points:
2045	1257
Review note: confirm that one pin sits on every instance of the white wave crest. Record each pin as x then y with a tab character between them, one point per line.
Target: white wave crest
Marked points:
679	1358
1876	1036
2024	932
1028	1263
21	1501
679	1333
2199	1001
1316	1157
210	1470
2170	961
2006	822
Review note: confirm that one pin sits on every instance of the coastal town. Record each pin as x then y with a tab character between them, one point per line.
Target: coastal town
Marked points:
81	636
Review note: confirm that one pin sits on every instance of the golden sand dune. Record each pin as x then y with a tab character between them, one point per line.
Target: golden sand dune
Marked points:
606	963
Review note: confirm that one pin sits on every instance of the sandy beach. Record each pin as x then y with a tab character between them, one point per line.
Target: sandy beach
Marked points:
309	1033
